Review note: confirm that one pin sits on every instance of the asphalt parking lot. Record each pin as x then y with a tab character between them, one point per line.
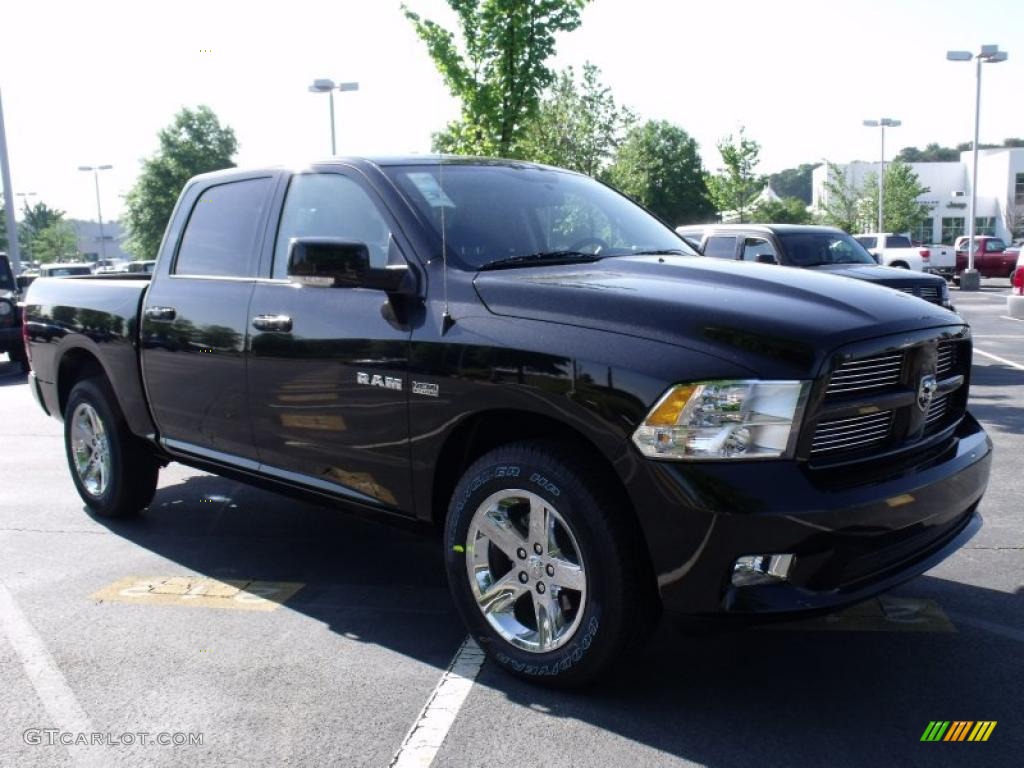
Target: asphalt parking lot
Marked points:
287	634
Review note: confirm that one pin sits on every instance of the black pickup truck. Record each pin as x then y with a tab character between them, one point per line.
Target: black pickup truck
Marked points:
603	424
10	316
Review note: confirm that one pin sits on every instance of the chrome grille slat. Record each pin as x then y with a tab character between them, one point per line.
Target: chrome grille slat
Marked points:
924	292
846	434
836	445
867	373
821	437
947	356
937	409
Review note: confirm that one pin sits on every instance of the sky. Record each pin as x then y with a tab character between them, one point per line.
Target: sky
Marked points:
91	82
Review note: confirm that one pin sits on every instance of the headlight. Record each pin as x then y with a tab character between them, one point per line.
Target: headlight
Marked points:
745	419
5	308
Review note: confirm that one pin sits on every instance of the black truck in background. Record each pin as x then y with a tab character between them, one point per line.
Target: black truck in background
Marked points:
604	424
10	316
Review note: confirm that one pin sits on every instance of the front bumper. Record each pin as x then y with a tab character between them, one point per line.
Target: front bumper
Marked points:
854	532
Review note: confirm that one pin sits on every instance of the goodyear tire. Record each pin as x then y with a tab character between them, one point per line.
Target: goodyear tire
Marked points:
113	471
545	564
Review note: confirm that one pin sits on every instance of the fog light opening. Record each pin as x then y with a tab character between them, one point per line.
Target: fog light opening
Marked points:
761	569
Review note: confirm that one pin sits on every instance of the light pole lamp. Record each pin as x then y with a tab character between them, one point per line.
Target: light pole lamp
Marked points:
324	85
99	211
883	123
989	54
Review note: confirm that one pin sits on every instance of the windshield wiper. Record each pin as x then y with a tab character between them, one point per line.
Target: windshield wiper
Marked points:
543	257
660	252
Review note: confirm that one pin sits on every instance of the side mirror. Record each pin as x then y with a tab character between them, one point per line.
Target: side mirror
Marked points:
766	258
338	263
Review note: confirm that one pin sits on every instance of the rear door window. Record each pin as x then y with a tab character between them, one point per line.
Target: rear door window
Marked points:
221	236
867	242
897	241
721	247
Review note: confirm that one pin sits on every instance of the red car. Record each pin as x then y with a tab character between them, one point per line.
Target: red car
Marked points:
991	258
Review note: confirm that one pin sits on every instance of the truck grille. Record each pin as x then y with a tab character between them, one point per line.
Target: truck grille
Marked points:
930	293
849	434
887	385
869	373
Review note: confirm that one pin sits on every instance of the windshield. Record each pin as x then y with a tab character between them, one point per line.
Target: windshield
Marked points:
6	277
493	213
814	249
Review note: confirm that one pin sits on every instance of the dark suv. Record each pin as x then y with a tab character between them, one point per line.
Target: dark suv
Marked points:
823	249
10	316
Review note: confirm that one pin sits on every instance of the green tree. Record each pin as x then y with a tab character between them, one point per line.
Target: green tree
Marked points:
903	212
195	142
578	124
57	242
933	153
736	186
786	210
499	71
794	182
35	219
842	201
659	165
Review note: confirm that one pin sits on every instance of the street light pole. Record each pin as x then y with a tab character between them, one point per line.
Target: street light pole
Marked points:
5	185
327	86
883	123
99	211
970	280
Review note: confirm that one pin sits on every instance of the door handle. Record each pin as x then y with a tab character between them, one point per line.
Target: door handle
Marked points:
279	323
161	313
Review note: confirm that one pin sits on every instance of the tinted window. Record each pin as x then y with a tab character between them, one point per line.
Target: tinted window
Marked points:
868	242
220	238
897	241
6	276
995	245
813	249
495	212
758	249
721	247
330	205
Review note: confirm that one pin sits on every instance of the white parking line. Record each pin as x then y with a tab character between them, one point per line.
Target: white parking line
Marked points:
50	686
1015	319
998	359
430	729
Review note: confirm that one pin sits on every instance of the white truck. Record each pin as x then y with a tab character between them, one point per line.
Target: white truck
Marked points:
892	250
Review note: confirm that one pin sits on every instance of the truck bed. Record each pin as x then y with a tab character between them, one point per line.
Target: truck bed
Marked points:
98	314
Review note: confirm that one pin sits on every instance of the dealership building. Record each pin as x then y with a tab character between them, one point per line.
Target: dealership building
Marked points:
1000	193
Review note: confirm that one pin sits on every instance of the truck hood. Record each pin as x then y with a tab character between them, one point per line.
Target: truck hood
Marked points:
889	276
786	318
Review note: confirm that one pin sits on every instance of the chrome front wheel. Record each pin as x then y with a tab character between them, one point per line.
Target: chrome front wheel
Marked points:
526	570
90	447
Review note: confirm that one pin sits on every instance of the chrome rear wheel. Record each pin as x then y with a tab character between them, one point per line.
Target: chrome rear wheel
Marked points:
90	448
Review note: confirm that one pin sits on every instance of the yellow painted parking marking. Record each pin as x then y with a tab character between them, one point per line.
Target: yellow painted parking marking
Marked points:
899	501
880	614
200	591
